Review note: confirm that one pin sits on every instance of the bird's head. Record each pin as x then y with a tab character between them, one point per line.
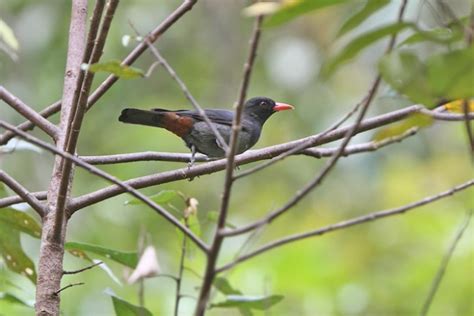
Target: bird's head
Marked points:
262	107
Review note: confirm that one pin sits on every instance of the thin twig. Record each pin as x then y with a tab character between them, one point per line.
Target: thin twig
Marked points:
23	193
126	187
467	123
67	287
11	200
247	157
359	148
83	269
229	174
348	223
179	279
28	112
162	62
154	35
444	264
28	125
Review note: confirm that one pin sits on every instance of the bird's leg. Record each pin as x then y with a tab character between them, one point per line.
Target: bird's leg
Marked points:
193	157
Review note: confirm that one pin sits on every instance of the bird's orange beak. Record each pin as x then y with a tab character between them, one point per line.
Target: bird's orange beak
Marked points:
282	107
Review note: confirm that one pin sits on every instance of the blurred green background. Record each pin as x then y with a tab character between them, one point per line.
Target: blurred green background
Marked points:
380	268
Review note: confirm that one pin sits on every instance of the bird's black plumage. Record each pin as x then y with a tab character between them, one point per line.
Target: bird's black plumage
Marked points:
195	132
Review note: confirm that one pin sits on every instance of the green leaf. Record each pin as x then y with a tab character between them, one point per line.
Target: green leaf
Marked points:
20	221
415	120
359	43
116	68
161	197
7	36
10	298
252	302
13	254
451	75
371	6
444	76
406	74
223	286
129	259
291	9
442	35
124	308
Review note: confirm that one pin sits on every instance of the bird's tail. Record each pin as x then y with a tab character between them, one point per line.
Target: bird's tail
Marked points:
142	117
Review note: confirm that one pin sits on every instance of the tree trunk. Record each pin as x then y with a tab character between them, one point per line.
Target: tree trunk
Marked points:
50	265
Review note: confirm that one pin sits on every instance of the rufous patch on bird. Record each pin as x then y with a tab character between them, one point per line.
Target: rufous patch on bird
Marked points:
179	125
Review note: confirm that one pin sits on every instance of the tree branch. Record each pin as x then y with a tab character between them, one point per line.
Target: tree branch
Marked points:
50	263
444	264
23	193
143	156
154	35
247	157
176	157
92	52
67	287
467	123
11	200
183	157
348	223
108	177
359	148
27	112
230	166
83	269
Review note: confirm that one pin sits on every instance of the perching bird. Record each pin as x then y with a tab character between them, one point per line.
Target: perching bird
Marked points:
196	133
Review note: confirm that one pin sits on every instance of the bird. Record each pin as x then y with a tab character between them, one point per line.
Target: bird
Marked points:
195	131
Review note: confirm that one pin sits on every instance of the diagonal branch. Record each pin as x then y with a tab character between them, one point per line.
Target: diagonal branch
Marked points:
154	35
348	223
27	112
23	193
470	134
230	165
162	61
11	200
298	148
316	181
123	185
444	264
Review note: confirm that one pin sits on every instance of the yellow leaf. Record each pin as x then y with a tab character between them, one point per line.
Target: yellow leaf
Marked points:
457	106
415	120
261	8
